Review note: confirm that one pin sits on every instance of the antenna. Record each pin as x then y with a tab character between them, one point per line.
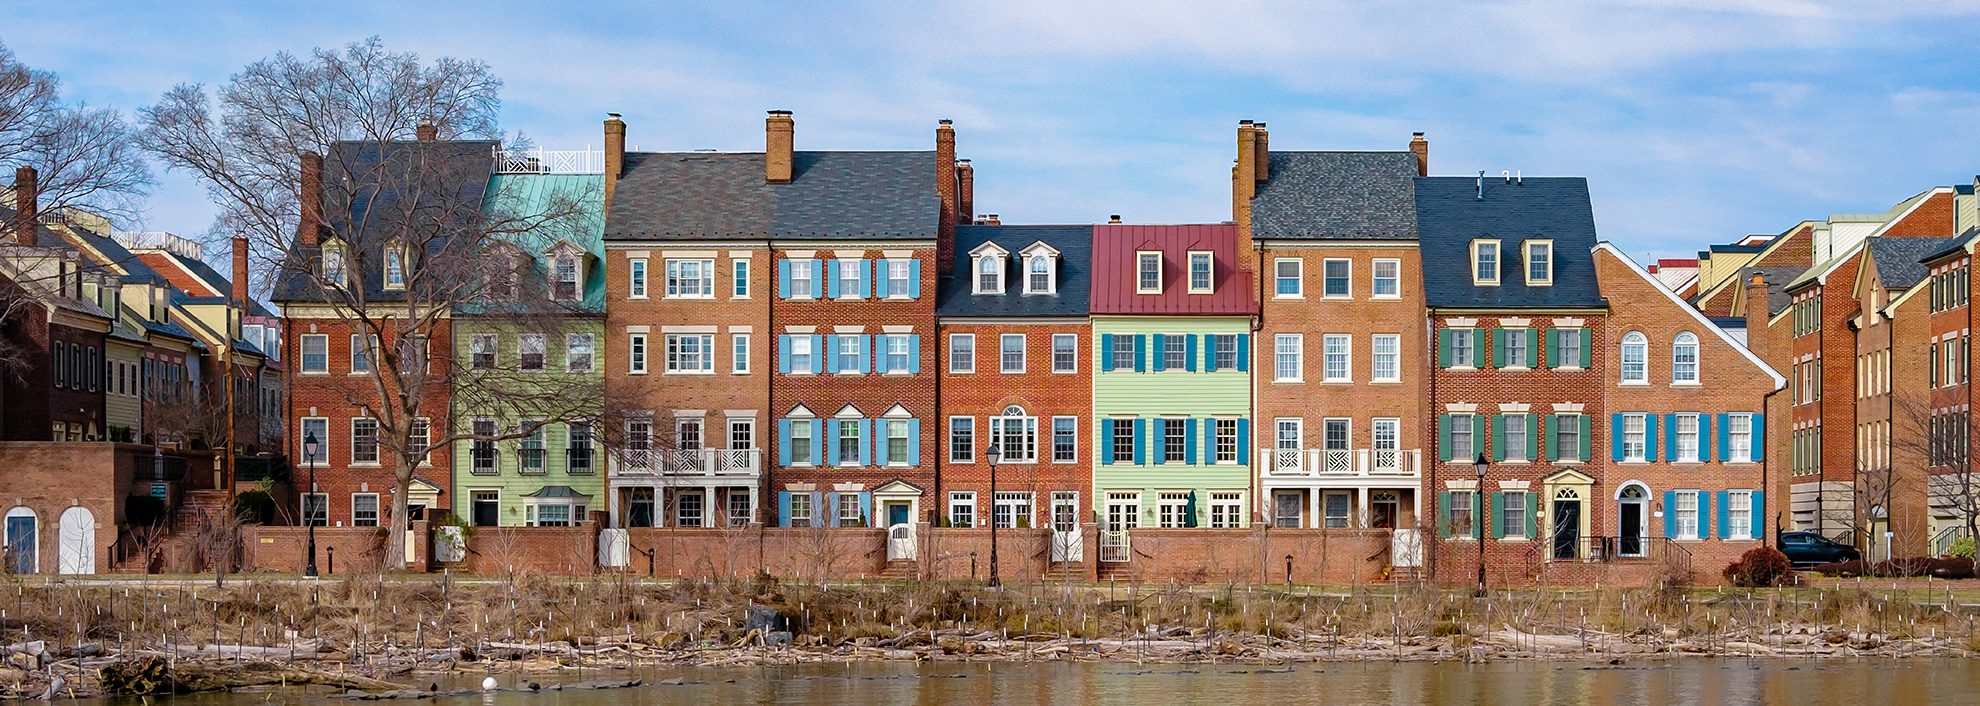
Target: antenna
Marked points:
1505	175
1481	184
1518	178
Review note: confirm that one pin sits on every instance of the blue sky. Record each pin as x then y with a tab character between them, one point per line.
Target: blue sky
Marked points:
1695	120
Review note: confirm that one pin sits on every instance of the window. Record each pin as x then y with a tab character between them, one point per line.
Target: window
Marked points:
1687	514
897	442
549	514
1514	512
1286	273
1223	351
577	448
1148	273
564	281
1570	346
1517	354
801	279
1739	514
1226	440
691	279
577	352
1687	438
1334	510
1172	510
1123	438
800	509
801	436
897	354
1010	358
1463	503
1739	438
1635	442
481	351
1011	509
742	432
1386	358
1463	353
636	354
852	279
850	349
1065	439
487	508
687	509
318	427
962	508
1200	265
1065	353
1635	358
639	443
481	453
962	353
741	288
1387	282
800	354
1684	359
1335	283
395	267
989	274
315	354
1485	262
316	509
333	265
849	442
962	440
692	353
1015	434
1334	434
1226	510
364	509
1039	277
1175	352
1334	362
530	448
1175	441
1567	437
364	441
1286	433
1539	262
1517	436
1463	447
1123	352
898	279
636	278
530	348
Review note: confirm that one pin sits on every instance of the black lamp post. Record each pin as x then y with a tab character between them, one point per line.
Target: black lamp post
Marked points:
993	454
1478	519
309	519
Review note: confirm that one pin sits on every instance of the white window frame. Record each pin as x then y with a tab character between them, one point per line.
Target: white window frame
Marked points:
888	343
892	425
1178	344
1226	510
1635	425
803	430
322	508
1570	346
1736	439
801	349
962	349
801	510
951	438
1681	514
678	358
739	354
1514	526
1015	433
1391	360
636	353
844	425
1004	354
1297	278
1546	278
322	341
1685	372
377	513
376	444
900	279
576	281
1466	502
1376	278
850	360
1051	274
987	265
1634	345
965	502
527	341
1224	440
572	354
679	285
1172	510
1684	454
488	344
395	269
1209	262
1337	365
1462	427
1479	249
1071	353
801	278
739	272
1347	278
1464	355
1143	260
1008	507
636	278
1739	509
1515	451
1073	432
322	440
852	278
1336	515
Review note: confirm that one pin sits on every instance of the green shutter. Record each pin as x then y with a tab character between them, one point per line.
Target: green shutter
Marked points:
1547	438
1498	437
1498	348
1443	437
1532	436
1444	514
1533	515
1477	433
1444	348
1584	348
1498	515
1478	347
1585	438
1533	347
1553	348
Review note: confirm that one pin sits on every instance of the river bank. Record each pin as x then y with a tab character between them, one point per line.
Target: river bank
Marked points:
378	634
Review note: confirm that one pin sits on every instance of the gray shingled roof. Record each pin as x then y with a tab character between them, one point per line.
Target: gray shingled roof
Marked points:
1337	196
723	196
1951	246
1075	245
1898	258
1450	214
1778	278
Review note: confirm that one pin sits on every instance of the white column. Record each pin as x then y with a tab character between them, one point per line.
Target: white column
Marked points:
1313	518
1364	507
612	505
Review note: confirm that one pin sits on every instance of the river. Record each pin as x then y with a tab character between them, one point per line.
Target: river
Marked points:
1878	682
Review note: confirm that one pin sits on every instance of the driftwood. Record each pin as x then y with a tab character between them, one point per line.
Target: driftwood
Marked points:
151	675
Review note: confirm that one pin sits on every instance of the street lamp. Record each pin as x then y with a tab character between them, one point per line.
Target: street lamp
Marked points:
992	454
309	522
1478	518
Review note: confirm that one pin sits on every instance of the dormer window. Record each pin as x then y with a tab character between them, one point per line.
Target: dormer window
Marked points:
1041	272
1201	265
987	268
1539	262
1148	273
333	264
1485	262
566	275
395	266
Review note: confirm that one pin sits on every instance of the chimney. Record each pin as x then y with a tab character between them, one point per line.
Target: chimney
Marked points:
427	131
240	272
615	155
1756	315
309	197
778	145
966	190
1244	185
990	219
945	190
27	205
1264	155
1421	148
1114	218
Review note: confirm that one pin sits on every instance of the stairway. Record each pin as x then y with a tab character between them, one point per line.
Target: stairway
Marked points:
901	570
178	549
1405	575
1116	570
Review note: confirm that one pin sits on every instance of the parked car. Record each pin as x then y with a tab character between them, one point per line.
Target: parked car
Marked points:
1808	548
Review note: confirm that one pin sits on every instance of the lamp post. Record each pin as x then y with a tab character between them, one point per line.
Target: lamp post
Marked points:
309	520
1478	521
992	454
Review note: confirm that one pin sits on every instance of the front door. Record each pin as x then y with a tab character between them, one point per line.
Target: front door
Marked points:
1385	507
1065	527
487	507
1632	529
897	514
1567	528
77	535
21	544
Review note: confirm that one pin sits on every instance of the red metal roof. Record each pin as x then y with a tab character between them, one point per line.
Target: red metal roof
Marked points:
1114	249
180	277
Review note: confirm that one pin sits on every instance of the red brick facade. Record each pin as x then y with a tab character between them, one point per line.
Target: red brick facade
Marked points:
984	391
337	396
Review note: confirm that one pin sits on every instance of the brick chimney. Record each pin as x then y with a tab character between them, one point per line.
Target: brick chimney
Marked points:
1756	315
1421	148
1113	218
615	155
1244	185
1263	154
427	131
966	191
240	272
945	190
779	144
27	205
309	196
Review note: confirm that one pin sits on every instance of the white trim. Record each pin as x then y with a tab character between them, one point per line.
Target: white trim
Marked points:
1779	382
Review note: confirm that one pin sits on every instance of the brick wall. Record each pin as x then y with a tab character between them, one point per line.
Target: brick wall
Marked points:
1043	394
1931	219
49	478
286	549
340	396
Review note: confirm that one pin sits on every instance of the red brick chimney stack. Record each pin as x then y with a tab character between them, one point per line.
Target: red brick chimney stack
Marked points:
27	205
615	155
966	186
1421	148
309	196
1756	315
427	131
779	147
945	190
1264	154
240	272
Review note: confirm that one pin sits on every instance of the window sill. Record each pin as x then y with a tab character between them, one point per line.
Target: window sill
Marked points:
689	372
1010	372
1687	384
1515	367
1287	381
1337	297
1390	381
1337	382
1386	297
1461	368
640	297
1289	297
1633	383
300	372
1065	372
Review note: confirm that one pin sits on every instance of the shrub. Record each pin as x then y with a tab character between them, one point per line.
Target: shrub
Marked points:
1944	568
1760	566
1962	548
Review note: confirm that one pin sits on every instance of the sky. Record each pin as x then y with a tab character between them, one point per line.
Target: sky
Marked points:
1695	121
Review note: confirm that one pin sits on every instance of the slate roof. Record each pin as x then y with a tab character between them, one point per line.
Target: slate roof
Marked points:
1898	258
955	295
205	271
1336	196
722	196
1951	246
1778	279
1450	215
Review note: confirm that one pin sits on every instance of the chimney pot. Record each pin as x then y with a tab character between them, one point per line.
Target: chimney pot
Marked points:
1262	153
1113	218
615	155
427	131
965	190
27	205
779	146
1421	148
947	187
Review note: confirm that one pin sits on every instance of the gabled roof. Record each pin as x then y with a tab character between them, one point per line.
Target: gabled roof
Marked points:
1450	214
1777	279
1336	196
1898	259
723	196
955	296
1956	245
1113	279
1707	323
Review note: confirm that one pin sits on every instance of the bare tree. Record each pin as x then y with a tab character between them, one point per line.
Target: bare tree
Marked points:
1942	439
402	239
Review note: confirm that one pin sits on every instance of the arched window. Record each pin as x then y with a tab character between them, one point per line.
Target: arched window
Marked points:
395	266
333	264
1684	358
1038	279
1635	358
1015	434
989	274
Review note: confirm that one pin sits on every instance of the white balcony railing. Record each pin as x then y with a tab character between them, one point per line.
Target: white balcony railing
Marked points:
542	161
692	462
1341	463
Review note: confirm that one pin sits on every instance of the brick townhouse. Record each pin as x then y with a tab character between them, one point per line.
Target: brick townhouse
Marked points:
1339	386
1016	377
59	395
1897	310
1943	415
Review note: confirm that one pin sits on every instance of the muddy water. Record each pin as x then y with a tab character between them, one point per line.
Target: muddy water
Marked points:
1648	682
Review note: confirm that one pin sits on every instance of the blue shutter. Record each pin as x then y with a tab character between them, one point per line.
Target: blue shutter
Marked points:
783	279
1155	362
783	442
865	278
1140	436
831	510
914	442
1649	437
914	353
784	354
817	357
817	282
1189	353
1725	438
1759	513
1243	449
914	279
783	509
831	441
1140	353
1210	441
1670	437
1616	437
1106	452
880	288
1106	352
1704	514
1704	437
865	442
1759	440
865	353
1670	514
831	354
832	280
880	442
818	509
1209	353
1189	441
817	441
1244	352
1723	513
